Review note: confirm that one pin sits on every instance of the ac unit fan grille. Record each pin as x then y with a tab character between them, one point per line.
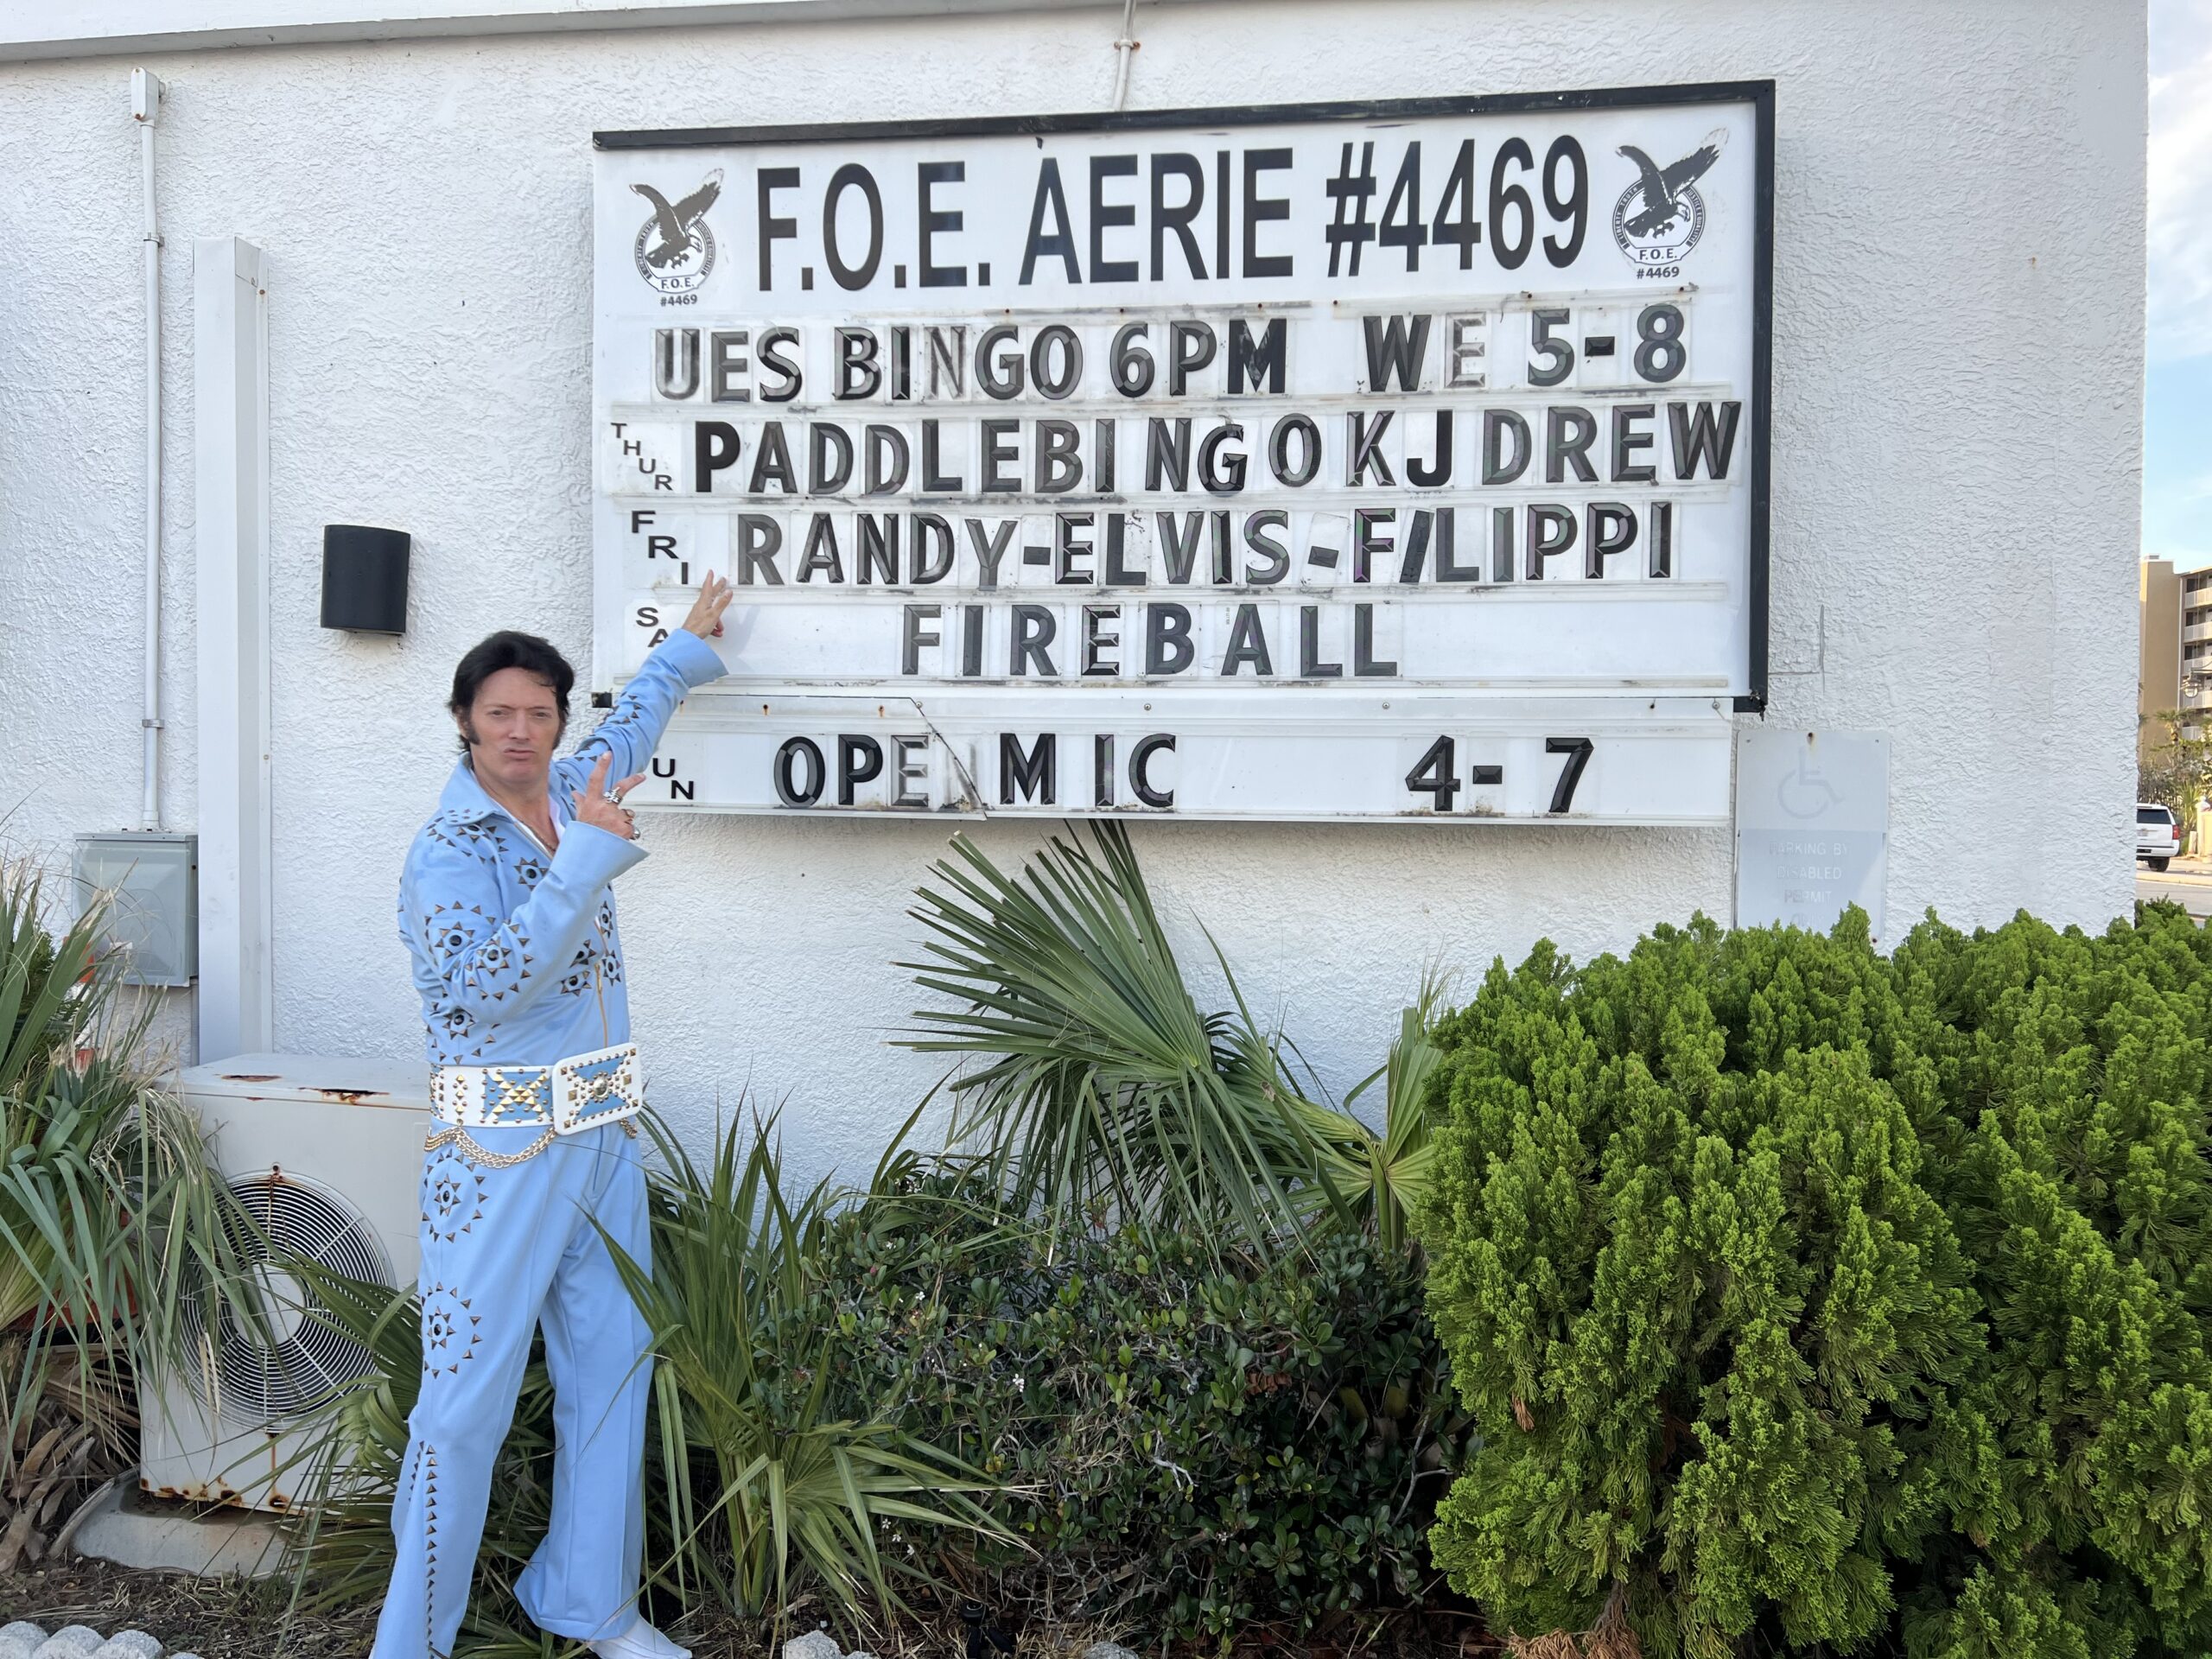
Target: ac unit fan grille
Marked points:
309	1362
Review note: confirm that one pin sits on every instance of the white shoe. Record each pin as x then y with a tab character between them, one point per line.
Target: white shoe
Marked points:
640	1640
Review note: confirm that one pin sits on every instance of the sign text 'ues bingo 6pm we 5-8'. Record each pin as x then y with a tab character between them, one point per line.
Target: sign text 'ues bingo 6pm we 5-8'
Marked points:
1389	460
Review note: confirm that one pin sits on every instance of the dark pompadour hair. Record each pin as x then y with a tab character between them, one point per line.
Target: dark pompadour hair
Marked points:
508	649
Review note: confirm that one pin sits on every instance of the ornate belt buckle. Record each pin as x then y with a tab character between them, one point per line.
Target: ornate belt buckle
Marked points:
603	1087
516	1095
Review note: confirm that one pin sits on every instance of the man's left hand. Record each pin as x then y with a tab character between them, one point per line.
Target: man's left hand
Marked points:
706	617
601	807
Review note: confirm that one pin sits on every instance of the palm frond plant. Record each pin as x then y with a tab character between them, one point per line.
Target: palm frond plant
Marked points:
341	1541
767	1467
1094	1085
763	1482
114	1228
1388	1174
41	997
1098	1084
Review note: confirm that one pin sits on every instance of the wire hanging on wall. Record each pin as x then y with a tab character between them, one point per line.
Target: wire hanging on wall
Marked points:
1125	50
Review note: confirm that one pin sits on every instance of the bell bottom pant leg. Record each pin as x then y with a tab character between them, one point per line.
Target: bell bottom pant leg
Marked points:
495	1244
582	1581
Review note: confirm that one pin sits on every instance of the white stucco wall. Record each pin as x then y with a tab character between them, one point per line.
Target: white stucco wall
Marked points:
1957	443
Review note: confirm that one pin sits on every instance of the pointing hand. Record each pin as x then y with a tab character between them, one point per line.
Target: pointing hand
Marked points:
602	808
706	617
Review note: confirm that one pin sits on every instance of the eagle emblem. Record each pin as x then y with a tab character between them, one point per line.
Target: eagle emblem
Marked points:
1661	215
675	249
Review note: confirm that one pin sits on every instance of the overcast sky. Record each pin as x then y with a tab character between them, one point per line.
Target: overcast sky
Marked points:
2177	460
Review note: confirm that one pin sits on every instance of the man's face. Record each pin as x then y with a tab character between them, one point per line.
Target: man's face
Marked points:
512	729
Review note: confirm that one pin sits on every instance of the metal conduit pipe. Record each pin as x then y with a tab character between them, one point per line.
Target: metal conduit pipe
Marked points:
146	109
1125	50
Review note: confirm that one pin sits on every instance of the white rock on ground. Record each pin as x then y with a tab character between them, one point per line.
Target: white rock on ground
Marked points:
1107	1650
815	1644
26	1641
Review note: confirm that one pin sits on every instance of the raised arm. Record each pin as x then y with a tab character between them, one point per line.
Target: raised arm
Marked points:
678	664
488	964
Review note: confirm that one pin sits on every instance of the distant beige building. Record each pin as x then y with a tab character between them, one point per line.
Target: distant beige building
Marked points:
2195	602
2174	662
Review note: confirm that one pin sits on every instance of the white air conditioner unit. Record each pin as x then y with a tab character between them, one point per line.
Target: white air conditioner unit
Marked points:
327	1155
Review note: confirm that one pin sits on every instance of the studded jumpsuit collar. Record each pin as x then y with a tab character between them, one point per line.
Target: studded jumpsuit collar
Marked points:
516	953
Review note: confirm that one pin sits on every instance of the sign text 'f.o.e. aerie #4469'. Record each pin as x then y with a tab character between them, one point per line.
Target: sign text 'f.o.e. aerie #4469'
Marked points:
1387	462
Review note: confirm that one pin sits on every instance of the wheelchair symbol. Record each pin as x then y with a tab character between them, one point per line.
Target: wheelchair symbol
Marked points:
1807	793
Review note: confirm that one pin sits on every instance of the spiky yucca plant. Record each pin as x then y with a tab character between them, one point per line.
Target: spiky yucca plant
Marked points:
761	1480
1096	1082
800	1476
113	1226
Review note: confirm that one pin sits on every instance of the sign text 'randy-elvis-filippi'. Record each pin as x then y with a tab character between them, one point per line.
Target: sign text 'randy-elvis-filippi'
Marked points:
1321	467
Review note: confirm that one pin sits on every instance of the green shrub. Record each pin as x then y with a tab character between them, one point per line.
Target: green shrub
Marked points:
1808	1299
1193	1438
765	1463
1183	1439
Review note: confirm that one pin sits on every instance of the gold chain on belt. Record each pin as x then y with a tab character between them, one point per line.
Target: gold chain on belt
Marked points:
454	1133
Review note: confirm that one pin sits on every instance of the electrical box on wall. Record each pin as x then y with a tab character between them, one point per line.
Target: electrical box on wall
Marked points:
151	881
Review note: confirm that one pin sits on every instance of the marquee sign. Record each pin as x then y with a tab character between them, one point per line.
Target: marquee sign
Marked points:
1377	461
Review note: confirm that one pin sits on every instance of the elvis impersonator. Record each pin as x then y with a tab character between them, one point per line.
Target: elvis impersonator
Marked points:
506	911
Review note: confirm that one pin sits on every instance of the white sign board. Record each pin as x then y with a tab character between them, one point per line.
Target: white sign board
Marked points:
1812	827
1387	460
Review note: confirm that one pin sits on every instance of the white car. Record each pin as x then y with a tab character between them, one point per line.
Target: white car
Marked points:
2157	838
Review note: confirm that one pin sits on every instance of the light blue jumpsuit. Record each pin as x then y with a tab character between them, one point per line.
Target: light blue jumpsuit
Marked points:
519	961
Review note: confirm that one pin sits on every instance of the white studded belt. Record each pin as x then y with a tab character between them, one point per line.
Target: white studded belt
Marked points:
571	1095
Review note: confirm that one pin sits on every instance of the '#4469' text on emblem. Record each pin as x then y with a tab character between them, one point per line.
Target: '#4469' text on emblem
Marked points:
675	250
1660	217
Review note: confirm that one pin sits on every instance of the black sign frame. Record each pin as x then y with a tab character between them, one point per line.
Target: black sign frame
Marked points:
1758	94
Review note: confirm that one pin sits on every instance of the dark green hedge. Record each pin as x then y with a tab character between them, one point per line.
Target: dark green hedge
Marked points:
1200	1444
1808	1299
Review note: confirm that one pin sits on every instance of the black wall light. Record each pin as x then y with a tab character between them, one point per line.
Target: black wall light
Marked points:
365	578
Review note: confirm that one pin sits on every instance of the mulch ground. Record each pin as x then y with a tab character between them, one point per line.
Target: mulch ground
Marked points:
217	1618
233	1618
